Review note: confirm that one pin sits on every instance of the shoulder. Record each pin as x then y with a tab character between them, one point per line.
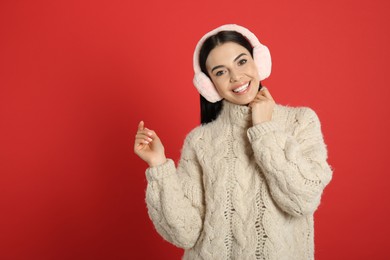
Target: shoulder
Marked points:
300	112
195	135
202	131
300	115
200	136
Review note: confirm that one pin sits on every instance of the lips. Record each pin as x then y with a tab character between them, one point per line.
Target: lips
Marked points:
241	88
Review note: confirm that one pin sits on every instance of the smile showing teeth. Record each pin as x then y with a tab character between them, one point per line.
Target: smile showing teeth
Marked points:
241	89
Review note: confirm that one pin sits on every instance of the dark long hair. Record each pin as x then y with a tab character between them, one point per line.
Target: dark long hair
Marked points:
210	111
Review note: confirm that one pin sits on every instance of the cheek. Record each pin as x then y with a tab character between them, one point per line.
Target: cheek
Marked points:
220	84
254	69
218	88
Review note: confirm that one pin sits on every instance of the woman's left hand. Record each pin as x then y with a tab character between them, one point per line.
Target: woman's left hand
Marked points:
262	107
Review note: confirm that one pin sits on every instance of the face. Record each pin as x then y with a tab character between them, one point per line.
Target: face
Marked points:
233	72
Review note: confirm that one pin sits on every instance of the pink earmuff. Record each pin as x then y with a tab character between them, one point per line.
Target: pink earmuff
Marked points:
261	57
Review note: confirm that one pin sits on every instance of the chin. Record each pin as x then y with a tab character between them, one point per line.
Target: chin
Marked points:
247	100
243	102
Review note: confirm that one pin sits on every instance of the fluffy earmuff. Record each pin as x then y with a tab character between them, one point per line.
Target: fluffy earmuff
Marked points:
261	57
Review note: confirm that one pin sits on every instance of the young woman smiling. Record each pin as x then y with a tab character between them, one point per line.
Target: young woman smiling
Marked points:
251	176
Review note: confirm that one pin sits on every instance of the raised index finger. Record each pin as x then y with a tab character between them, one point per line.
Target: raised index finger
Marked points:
141	126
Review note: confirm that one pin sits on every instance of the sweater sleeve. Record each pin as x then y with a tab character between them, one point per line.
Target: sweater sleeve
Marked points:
174	198
295	165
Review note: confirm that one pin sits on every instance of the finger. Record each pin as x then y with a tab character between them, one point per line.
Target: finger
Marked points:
259	98
141	126
139	147
142	143
254	101
266	93
145	132
261	95
143	137
150	133
139	144
261	92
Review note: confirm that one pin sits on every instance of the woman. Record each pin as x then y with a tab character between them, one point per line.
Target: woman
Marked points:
251	176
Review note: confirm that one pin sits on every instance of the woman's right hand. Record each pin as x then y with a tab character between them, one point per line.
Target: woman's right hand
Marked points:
148	146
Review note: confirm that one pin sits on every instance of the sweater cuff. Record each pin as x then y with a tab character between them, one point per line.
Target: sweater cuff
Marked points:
161	171
257	131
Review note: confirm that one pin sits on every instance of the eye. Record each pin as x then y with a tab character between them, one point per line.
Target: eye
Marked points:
242	61
219	73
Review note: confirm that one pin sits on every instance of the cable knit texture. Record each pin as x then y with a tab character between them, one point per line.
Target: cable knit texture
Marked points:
242	191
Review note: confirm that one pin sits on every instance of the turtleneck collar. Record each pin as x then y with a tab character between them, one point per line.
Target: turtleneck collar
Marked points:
240	115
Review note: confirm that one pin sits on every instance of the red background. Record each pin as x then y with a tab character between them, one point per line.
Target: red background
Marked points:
77	76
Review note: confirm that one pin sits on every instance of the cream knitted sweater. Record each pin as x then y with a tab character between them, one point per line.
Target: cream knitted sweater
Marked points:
242	191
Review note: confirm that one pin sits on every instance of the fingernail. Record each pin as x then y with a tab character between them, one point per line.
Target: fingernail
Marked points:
150	139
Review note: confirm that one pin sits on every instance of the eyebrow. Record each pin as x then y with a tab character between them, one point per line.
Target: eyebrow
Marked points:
221	66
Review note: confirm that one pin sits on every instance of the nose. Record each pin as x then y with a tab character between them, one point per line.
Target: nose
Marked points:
234	76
